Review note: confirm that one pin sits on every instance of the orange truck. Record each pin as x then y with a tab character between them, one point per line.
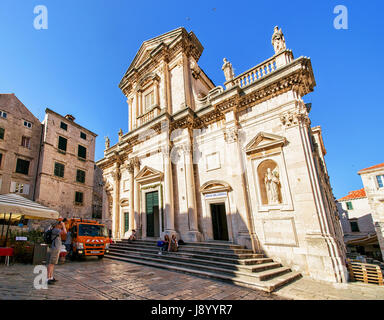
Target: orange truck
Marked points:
88	238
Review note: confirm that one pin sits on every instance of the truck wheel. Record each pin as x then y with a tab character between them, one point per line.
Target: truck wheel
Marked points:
100	257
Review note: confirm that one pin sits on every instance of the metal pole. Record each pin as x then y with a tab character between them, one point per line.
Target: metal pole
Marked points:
2	229
6	236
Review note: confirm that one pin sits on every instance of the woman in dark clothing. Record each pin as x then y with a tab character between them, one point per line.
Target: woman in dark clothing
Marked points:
166	242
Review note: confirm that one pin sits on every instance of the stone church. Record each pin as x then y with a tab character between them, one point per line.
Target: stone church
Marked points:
238	162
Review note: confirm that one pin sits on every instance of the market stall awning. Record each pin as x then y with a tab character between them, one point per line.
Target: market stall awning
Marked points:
19	207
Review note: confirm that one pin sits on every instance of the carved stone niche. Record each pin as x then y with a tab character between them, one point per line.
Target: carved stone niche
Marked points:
270	181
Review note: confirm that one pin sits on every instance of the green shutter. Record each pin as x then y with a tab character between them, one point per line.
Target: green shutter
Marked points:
126	220
62	144
152	199
82	152
2	130
59	170
149	203
80	176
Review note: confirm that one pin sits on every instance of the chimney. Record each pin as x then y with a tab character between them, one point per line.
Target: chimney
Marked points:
70	117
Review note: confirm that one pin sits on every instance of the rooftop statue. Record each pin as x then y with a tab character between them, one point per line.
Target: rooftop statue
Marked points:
278	40
107	143
228	70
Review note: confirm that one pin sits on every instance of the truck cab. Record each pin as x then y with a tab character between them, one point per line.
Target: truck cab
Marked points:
88	238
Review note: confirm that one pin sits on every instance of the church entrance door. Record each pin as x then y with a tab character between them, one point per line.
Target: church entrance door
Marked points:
152	214
219	221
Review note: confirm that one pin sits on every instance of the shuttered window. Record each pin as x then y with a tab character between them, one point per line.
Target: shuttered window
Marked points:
63	126
79	197
82	152
2	131
22	166
59	170
80	176
62	144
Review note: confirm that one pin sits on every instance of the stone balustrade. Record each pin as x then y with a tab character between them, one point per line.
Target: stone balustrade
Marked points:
148	116
257	72
261	70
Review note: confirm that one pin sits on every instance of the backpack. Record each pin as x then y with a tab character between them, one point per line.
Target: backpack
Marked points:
48	236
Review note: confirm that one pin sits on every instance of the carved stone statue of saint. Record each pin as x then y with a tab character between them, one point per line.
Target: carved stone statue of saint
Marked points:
278	40
120	134
272	184
107	143
228	70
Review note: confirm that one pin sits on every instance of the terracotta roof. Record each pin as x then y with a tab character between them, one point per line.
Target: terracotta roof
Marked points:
381	165
356	194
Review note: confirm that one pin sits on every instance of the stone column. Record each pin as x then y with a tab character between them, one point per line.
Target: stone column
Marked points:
136	195
116	200
191	194
246	230
168	191
132	224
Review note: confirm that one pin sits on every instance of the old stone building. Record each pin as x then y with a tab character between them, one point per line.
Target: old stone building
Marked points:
237	163
20	135
66	171
373	181
357	224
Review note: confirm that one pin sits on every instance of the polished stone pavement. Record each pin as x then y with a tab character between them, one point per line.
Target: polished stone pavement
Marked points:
92	279
107	279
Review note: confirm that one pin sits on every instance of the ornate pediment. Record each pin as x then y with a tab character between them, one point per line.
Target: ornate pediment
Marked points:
264	141
167	41
215	186
148	174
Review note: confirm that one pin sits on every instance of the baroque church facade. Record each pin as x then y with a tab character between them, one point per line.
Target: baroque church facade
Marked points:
238	162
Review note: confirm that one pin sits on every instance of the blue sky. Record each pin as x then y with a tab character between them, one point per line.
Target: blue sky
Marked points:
76	64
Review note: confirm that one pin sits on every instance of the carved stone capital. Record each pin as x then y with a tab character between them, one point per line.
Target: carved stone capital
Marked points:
130	167
134	162
231	135
116	175
293	118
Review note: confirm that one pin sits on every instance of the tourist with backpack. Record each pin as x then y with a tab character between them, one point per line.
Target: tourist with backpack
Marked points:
53	238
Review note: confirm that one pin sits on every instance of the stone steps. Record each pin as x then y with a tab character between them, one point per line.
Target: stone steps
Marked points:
246	261
223	261
243	254
172	256
211	244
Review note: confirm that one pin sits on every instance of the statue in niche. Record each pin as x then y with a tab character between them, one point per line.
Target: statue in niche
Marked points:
278	40
228	70
272	184
107	143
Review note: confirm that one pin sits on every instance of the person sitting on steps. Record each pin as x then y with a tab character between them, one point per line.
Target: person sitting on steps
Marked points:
133	235
173	245
165	245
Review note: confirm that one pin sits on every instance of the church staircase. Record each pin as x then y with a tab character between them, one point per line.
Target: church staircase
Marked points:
215	259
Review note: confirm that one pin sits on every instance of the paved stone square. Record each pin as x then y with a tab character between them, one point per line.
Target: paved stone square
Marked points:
92	279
